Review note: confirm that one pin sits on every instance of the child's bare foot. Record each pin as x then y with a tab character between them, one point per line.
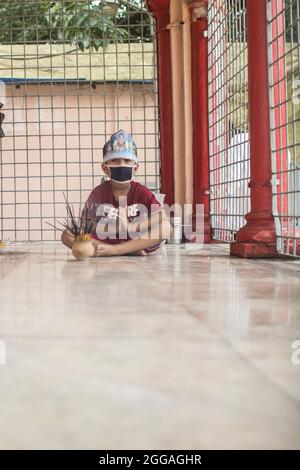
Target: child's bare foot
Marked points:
139	253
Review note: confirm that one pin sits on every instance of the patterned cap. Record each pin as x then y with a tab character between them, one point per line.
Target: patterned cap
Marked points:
120	145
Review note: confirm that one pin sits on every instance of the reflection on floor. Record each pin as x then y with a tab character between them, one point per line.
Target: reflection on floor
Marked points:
187	349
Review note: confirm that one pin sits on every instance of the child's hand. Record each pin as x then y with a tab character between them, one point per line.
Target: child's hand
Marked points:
67	238
104	249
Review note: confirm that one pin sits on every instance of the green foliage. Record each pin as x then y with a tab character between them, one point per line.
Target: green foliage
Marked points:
78	22
292	10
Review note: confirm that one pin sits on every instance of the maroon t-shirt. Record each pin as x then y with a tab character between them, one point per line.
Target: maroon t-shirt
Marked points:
102	206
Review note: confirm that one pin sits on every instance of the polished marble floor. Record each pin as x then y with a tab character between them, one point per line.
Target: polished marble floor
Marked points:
185	349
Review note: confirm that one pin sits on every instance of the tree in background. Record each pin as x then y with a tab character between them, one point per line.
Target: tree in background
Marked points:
79	22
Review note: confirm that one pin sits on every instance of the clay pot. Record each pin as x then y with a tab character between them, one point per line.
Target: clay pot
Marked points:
82	250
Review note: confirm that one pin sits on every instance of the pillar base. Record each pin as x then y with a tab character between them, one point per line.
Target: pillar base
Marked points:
257	239
253	250
207	230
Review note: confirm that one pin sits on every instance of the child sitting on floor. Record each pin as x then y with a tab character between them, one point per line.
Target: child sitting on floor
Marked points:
125	211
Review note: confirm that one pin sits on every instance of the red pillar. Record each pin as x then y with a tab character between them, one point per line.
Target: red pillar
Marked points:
160	11
199	44
257	239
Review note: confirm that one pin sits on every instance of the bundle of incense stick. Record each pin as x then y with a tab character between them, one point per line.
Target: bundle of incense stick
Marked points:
80	227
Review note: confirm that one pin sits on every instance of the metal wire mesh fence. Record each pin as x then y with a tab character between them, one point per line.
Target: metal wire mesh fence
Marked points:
284	77
228	116
72	72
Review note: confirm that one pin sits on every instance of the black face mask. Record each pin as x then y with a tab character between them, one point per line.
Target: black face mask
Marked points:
121	173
